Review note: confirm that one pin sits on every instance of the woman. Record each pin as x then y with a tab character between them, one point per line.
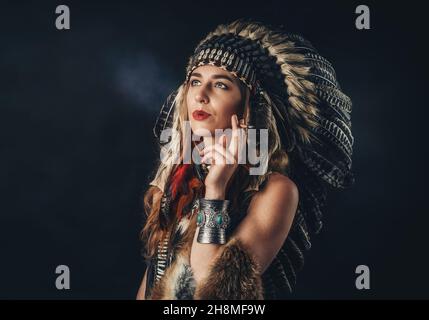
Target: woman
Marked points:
227	229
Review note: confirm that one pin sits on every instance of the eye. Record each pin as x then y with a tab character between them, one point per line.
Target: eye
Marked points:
193	82
221	85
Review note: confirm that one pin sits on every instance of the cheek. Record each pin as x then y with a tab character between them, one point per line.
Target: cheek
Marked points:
223	115
229	106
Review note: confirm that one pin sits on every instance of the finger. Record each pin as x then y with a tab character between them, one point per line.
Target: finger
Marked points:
220	147
219	155
234	122
223	152
222	141
219	158
242	124
242	146
210	158
233	147
207	158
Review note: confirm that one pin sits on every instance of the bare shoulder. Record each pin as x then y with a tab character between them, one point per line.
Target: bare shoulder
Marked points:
278	178
279	187
277	200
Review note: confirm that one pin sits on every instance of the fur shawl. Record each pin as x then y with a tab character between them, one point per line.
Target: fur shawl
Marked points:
233	275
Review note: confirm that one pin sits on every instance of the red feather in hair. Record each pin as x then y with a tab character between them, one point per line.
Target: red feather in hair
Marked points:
183	189
178	178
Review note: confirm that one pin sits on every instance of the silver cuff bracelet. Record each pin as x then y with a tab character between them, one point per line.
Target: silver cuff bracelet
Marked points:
213	220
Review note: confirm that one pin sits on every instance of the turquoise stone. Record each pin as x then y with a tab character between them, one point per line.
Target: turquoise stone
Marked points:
199	218
219	219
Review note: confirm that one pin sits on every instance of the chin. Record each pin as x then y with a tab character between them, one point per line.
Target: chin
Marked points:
202	131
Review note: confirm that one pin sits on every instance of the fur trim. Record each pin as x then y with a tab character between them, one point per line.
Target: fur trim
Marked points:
234	275
177	283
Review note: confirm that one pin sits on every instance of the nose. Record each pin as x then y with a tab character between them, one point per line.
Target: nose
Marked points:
201	96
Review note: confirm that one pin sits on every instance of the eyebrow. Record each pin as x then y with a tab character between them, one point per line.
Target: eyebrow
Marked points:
215	76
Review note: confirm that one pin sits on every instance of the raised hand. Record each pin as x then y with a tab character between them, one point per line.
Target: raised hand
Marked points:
223	161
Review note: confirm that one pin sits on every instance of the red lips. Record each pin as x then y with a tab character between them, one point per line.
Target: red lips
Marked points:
200	115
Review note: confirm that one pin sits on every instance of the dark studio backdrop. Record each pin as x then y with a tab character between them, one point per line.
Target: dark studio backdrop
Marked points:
77	150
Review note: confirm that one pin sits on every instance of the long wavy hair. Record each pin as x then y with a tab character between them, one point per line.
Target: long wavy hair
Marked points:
185	187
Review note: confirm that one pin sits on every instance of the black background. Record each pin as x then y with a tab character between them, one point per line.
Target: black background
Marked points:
77	151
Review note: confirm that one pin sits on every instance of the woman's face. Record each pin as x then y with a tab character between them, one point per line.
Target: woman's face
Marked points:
213	96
